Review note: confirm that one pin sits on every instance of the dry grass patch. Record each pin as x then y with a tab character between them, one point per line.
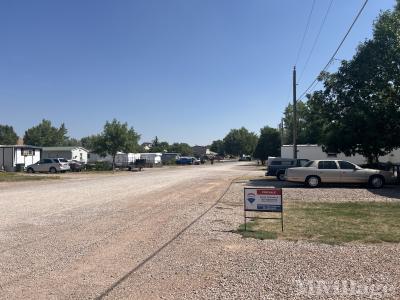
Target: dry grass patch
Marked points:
12	177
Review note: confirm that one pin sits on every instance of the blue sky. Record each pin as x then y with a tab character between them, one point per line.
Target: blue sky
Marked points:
184	70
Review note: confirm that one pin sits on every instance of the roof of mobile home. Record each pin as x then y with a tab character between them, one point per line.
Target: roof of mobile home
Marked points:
64	148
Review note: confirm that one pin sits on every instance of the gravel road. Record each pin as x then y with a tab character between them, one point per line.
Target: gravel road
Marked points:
131	235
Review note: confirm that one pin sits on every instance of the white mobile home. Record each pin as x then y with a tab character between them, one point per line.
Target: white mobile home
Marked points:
18	156
314	152
152	158
69	153
125	159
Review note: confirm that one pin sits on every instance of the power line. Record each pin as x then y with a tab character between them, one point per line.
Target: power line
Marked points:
305	32
316	39
337	49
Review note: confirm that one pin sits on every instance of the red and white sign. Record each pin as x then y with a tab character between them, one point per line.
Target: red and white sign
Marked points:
263	199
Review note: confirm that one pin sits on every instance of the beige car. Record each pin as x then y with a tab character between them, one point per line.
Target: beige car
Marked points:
337	171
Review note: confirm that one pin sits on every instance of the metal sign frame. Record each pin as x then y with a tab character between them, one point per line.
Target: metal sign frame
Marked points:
262	210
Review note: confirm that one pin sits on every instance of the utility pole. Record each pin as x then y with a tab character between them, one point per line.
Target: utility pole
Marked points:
294	115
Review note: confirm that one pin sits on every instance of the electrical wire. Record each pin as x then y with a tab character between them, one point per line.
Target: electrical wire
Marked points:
337	49
316	39
305	32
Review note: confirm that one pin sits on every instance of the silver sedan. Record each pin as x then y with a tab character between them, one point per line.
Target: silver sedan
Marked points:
337	171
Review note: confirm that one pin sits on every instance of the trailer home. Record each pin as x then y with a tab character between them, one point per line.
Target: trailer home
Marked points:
315	152
69	153
14	157
152	158
126	159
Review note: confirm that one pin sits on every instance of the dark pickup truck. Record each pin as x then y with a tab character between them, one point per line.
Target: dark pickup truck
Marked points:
278	166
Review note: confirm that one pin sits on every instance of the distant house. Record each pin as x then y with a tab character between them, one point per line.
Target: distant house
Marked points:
67	152
13	157
147	146
200	151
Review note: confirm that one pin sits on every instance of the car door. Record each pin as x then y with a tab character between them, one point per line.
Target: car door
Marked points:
38	166
348	172
45	166
328	171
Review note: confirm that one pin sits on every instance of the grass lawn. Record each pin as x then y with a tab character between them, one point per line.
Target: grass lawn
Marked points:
331	223
11	177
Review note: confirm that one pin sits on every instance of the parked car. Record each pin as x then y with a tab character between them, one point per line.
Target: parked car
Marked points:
52	165
277	166
188	160
337	171
76	166
196	161
245	158
184	160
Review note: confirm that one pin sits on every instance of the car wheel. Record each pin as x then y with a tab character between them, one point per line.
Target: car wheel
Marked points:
53	170
313	181
376	182
30	170
280	176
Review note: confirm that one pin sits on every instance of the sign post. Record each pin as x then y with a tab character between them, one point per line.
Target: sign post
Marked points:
261	199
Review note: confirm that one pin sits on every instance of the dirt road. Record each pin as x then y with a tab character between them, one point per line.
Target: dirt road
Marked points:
77	237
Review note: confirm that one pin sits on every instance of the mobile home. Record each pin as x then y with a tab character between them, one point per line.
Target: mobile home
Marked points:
13	157
69	153
315	152
126	159
152	158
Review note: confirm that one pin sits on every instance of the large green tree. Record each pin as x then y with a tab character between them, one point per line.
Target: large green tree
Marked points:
360	104
181	148
89	142
7	135
157	146
240	141
268	144
218	147
116	137
307	132
46	135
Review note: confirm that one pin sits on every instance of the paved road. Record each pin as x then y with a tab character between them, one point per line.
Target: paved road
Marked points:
77	237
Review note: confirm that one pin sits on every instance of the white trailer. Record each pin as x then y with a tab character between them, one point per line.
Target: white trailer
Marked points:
152	159
13	157
70	153
314	152
126	159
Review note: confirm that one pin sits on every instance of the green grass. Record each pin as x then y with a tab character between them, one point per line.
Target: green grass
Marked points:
332	223
13	177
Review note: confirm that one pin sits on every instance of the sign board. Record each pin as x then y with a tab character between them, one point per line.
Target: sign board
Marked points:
263	199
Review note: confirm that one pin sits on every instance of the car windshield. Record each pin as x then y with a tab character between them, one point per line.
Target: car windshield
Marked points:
308	164
62	160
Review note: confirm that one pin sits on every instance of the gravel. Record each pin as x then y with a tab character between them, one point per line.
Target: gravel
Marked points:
84	235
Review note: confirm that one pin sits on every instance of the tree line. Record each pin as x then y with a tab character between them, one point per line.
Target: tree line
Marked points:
115	137
243	142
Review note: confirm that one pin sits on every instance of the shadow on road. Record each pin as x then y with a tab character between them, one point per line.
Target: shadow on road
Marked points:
389	191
